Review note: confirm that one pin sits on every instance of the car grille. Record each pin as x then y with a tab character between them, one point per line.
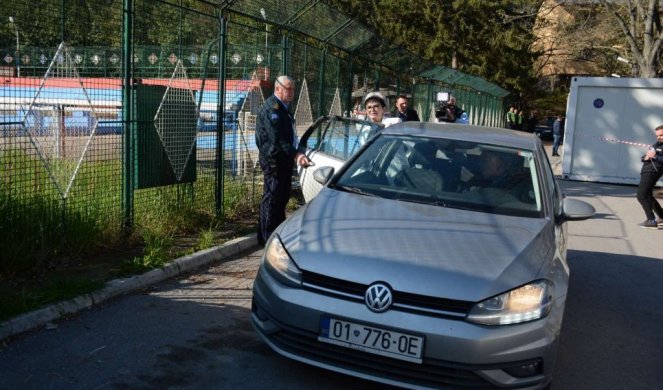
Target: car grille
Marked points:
402	301
431	373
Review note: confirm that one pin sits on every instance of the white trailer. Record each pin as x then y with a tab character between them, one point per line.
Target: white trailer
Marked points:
610	122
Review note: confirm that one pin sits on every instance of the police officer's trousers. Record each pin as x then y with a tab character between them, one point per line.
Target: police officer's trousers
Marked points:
645	194
276	193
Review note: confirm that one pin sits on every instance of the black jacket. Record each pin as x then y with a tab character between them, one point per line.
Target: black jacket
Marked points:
655	164
275	133
409	115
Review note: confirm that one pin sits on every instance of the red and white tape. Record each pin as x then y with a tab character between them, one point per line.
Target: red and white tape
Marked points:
619	141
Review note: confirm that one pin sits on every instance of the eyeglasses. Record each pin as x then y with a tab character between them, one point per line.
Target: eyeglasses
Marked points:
373	107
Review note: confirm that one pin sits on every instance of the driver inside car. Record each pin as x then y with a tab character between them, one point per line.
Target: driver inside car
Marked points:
502	171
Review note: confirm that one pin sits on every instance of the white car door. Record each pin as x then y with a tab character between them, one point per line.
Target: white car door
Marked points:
330	142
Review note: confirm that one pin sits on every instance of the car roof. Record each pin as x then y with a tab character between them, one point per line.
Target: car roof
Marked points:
464	132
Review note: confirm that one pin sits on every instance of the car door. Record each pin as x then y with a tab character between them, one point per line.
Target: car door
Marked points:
554	198
330	142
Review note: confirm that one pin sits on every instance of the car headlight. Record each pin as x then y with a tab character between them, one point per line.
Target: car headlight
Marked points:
527	303
280	264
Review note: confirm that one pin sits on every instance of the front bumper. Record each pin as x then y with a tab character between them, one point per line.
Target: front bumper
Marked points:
457	353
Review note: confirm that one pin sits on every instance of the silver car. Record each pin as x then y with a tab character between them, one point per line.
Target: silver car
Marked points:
435	257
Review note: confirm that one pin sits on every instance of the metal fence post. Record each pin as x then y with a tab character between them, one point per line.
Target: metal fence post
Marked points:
127	116
321	102
284	55
429	96
63	10
350	103
220	117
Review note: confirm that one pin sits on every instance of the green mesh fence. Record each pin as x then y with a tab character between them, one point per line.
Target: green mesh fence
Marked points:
173	161
60	137
144	117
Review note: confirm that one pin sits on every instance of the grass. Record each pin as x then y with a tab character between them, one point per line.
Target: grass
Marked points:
206	239
53	249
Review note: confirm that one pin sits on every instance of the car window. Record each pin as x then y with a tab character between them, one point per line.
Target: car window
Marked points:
313	136
448	173
343	138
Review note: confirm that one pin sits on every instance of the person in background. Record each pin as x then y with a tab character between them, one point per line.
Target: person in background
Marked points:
532	121
451	111
511	118
357	112
651	172
557	135
278	154
520	119
404	111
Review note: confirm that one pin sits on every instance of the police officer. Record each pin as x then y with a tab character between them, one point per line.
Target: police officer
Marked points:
275	138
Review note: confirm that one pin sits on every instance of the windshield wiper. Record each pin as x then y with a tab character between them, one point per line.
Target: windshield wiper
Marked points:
433	202
353	190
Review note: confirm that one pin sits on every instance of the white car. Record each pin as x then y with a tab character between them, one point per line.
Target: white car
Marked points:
435	257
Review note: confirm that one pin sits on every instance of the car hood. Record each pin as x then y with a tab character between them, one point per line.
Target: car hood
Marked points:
416	248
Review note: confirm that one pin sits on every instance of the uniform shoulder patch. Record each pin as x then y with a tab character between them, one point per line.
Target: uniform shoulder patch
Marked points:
275	106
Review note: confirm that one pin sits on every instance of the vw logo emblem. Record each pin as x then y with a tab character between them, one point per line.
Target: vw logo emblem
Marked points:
378	297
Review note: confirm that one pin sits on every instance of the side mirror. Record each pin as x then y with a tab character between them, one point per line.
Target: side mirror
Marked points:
577	210
323	174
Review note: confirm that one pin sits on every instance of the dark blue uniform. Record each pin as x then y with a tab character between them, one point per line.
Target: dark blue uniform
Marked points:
275	137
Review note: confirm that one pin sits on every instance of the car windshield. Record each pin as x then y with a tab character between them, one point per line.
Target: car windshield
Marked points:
447	173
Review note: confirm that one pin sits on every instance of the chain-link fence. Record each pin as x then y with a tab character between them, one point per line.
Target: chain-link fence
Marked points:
140	114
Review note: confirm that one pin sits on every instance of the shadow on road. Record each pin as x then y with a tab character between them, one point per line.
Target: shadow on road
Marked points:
611	336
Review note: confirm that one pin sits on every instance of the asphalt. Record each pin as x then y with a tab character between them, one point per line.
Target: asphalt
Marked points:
44	316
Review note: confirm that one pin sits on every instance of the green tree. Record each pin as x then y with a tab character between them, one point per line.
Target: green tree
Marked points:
490	39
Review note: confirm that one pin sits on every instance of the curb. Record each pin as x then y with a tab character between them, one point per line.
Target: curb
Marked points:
40	317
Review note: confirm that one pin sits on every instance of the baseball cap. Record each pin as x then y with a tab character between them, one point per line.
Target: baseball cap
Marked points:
376	95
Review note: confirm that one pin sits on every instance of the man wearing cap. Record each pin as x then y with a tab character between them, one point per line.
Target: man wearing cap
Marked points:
375	104
278	153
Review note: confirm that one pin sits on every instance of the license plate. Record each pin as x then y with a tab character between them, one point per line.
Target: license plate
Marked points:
371	339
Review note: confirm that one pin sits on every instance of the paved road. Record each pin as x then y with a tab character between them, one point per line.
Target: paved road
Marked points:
193	332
